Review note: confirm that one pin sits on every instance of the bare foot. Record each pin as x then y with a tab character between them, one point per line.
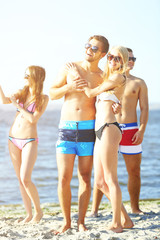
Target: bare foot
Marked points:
82	227
19	220
37	217
61	229
127	223
115	228
93	215
137	211
25	220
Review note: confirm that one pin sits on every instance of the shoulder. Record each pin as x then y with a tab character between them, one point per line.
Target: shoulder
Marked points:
140	81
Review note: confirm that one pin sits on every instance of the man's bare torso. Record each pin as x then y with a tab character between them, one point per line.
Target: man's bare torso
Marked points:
77	106
130	99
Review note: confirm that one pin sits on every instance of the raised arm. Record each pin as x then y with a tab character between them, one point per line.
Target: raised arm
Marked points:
31	117
3	98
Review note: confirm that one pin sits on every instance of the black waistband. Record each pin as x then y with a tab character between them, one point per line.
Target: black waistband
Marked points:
86	135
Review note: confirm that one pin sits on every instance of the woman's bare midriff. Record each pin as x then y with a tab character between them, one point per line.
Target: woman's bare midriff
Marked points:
23	128
104	113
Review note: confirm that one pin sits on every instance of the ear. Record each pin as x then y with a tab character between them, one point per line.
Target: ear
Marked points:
103	54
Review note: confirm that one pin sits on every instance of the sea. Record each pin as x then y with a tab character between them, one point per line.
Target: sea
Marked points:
45	174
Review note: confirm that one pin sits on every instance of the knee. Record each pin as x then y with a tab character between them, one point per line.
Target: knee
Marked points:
25	181
85	179
99	184
134	171
63	181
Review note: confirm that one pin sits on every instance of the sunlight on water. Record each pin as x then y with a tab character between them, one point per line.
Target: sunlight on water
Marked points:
45	174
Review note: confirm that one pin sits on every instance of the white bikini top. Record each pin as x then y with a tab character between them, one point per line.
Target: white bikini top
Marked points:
108	96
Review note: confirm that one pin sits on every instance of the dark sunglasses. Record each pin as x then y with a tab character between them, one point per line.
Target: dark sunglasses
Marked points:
115	58
93	48
132	59
26	76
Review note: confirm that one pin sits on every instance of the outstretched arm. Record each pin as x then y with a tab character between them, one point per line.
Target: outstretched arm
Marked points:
105	86
4	99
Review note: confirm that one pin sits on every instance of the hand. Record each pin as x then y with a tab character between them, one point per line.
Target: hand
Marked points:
13	100
72	69
116	107
79	84
137	138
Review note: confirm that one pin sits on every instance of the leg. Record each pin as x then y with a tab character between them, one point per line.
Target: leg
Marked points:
97	197
97	193
109	159
15	154
29	156
133	163
84	174
101	181
108	155
65	163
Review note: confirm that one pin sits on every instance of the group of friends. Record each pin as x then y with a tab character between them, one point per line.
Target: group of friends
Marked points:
98	120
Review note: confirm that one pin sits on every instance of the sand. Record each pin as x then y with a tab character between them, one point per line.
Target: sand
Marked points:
146	226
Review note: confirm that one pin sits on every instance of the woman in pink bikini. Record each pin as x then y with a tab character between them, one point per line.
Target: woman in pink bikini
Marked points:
23	140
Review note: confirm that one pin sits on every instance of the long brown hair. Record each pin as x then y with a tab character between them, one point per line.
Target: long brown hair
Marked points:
36	79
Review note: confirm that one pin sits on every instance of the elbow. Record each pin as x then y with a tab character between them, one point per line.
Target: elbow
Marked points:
5	102
52	96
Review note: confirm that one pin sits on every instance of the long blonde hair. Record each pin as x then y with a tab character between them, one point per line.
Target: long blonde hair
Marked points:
36	79
122	70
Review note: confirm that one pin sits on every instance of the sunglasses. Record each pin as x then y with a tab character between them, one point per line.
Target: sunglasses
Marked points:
132	59
93	48
112	57
26	76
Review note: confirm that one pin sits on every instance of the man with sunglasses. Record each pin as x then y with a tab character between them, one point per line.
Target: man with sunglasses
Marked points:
130	145
76	128
132	137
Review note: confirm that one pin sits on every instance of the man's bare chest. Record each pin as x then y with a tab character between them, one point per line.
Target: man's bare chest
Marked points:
132	89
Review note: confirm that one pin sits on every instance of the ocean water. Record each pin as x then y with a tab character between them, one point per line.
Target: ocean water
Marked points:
45	174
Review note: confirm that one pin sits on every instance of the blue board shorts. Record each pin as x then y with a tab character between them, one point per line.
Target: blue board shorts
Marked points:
76	137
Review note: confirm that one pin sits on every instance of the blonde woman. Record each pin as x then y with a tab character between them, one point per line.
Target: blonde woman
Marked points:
23	139
108	134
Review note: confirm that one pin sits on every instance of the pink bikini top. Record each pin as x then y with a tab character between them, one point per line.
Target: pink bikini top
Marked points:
31	108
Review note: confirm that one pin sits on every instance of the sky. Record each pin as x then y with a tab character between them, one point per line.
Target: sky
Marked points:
50	33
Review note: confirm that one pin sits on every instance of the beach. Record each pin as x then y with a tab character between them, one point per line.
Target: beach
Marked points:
146	226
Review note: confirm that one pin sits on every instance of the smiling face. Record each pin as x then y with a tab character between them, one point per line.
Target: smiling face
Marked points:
130	63
114	59
94	50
